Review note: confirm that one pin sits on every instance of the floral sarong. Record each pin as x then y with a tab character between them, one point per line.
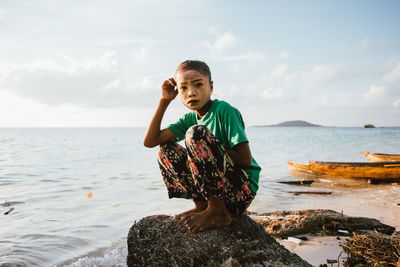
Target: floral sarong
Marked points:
204	168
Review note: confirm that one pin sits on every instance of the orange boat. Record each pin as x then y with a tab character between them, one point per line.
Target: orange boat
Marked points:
380	157
367	170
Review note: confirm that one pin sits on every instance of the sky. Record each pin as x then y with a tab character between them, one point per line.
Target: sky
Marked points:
101	63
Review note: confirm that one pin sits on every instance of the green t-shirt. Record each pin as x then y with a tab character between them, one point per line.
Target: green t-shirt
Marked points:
226	123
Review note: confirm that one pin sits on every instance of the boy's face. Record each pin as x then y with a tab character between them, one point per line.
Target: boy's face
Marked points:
194	88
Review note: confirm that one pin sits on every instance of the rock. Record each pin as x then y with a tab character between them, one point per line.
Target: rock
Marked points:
283	224
162	241
8	212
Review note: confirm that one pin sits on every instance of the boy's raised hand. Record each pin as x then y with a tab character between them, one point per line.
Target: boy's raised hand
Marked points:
168	90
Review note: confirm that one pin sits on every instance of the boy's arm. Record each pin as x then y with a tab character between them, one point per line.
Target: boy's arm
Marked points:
154	136
241	154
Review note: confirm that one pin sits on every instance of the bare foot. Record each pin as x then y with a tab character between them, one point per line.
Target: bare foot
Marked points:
206	219
199	207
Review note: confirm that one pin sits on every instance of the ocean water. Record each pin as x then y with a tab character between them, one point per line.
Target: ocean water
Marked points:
46	175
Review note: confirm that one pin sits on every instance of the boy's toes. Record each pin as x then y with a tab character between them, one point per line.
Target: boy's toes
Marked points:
194	229
180	217
184	218
188	219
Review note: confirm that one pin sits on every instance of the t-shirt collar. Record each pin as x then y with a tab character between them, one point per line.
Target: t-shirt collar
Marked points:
209	112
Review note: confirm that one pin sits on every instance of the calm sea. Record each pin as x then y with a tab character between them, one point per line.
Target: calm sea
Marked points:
47	175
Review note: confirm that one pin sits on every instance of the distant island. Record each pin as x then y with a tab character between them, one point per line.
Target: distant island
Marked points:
297	123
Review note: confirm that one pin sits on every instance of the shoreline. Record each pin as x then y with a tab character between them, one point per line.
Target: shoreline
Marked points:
316	235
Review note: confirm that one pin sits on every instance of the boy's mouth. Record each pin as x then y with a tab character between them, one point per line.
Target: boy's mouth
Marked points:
193	101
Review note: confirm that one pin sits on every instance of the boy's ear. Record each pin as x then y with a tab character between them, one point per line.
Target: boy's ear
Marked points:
212	85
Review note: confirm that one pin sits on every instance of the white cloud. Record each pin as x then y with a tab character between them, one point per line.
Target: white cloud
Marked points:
95	82
374	93
364	44
280	76
21	112
396	103
284	55
279	71
318	74
227	41
148	82
393	75
142	53
106	62
245	57
113	84
223	41
272	93
146	42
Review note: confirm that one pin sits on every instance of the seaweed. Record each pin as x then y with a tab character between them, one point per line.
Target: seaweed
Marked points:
373	249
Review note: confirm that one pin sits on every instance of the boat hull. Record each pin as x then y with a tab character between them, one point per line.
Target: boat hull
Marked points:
379	157
367	170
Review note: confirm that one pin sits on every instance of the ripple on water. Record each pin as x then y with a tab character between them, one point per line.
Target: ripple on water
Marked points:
88	228
153	188
48	181
87	187
22	254
12	174
4	183
39	249
11	203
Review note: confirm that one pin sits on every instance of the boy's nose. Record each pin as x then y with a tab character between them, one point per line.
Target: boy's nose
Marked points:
191	91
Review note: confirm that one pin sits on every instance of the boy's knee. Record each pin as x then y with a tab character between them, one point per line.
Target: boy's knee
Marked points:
164	147
196	132
198	128
160	152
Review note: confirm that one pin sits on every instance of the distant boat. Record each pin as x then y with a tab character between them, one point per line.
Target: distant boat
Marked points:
380	157
369	125
367	170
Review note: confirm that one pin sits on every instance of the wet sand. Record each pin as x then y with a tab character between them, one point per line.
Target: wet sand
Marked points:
317	249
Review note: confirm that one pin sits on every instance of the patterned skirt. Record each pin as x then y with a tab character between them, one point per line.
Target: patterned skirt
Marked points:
204	168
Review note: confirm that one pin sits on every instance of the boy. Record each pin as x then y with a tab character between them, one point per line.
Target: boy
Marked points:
216	169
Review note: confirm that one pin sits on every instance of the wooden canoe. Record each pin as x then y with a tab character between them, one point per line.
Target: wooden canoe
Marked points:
379	157
367	170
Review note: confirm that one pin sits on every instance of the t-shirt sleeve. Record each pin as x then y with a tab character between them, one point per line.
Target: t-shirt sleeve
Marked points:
180	127
234	126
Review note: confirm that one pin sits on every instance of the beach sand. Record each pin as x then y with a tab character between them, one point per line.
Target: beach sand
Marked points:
317	249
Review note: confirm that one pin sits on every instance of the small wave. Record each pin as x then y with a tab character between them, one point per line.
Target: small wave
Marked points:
114	256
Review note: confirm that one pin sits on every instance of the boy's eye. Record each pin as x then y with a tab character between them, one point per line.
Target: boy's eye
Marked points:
183	87
199	84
